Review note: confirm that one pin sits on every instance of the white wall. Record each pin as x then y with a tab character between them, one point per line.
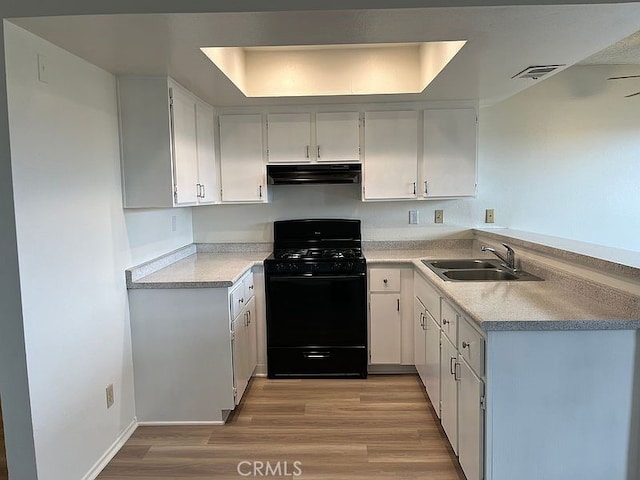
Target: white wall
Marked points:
562	158
74	243
380	220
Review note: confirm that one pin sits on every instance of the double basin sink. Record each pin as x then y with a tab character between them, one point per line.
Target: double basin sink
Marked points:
472	270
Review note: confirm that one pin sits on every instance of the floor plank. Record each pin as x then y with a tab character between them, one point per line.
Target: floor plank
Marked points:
379	428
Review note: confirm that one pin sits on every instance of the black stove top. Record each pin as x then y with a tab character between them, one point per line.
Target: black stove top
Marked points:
317	254
316	246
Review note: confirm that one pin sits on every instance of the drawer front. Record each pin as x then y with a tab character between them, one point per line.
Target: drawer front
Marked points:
449	322
384	280
237	299
428	296
471	346
249	288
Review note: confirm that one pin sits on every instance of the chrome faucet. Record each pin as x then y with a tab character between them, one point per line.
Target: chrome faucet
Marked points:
509	260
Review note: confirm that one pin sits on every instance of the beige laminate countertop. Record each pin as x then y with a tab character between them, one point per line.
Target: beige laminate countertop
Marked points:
554	304
202	270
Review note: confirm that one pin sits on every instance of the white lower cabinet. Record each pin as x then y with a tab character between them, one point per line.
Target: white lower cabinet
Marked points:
390	320
192	349
449	391
449	357
420	339
470	422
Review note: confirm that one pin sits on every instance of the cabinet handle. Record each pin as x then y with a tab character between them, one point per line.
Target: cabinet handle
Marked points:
414	188
456	373
306	151
422	320
260	191
452	365
445	321
384	280
426	188
241	300
318	152
398	304
250	287
203	190
249	317
465	345
198	190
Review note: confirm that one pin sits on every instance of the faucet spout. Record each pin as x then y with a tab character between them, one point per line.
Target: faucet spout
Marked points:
509	260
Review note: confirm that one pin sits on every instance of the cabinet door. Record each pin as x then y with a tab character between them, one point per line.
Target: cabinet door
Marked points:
207	191
432	355
471	423
241	160
185	156
449	392
390	155
240	357
289	137
385	329
338	137
449	155
252	337
419	340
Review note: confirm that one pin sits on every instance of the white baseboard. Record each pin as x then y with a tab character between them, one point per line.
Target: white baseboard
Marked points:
179	424
111	452
391	369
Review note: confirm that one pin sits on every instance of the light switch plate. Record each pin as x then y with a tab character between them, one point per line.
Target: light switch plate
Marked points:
489	216
439	216
413	217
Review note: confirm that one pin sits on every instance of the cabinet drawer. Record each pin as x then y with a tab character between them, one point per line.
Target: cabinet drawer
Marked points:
428	296
449	322
471	346
248	286
384	280
237	299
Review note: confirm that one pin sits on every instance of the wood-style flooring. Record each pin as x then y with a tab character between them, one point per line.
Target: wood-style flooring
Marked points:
379	428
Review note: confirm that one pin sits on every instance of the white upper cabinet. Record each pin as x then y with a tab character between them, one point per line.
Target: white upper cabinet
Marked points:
304	137
289	136
207	176
448	167
390	155
185	150
338	137
241	159
162	155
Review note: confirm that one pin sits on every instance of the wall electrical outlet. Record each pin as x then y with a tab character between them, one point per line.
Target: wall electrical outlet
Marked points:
413	217
110	396
439	216
488	216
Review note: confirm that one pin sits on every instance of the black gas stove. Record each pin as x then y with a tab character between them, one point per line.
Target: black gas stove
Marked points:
316	300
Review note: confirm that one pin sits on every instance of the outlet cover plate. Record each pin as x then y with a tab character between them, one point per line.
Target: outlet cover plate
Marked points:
413	217
110	396
489	216
439	216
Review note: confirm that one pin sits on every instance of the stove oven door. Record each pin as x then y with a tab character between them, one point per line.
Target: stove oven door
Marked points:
316	325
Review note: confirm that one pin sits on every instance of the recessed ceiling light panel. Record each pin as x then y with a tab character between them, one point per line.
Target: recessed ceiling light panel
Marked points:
317	70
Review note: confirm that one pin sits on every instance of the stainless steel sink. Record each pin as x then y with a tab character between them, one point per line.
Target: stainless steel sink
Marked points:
476	270
479	275
466	264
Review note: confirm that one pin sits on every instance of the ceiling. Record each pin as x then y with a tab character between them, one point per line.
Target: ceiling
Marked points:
501	41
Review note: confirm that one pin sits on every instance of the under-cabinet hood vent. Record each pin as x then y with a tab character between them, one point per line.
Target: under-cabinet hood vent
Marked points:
313	174
536	72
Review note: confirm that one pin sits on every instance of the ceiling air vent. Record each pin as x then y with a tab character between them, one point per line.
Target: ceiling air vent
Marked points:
536	72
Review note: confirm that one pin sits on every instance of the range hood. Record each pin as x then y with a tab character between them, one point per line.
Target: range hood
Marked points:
313	174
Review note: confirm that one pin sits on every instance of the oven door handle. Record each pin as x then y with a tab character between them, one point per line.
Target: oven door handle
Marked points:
316	355
287	278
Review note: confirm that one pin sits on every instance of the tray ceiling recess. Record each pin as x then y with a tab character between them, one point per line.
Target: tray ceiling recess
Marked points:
317	70
348	47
